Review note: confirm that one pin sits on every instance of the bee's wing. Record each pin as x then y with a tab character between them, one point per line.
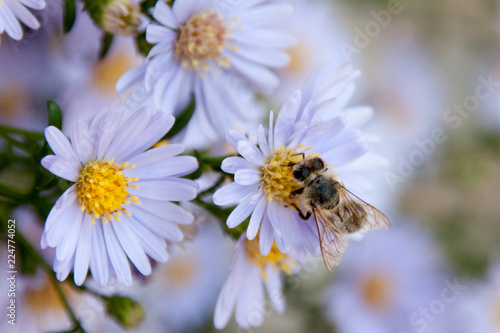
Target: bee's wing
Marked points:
357	214
331	240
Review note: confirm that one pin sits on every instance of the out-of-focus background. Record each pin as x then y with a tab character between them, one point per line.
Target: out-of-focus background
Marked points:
430	70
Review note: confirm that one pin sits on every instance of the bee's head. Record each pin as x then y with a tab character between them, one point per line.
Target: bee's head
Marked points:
305	167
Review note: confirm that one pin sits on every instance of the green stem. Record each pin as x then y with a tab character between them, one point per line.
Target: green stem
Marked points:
31	251
12	193
26	134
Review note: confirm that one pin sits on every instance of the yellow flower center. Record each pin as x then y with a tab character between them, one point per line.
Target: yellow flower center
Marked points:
277	260
178	272
277	180
103	189
13	99
201	39
377	291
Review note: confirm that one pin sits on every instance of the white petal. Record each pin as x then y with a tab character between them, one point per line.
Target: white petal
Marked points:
60	145
266	236
177	166
64	202
60	167
234	163
167	210
256	218
131	245
345	154
83	249
82	143
267	13
156	33
262	78
250	152
157	127
117	256
168	189
35	4
152	243
24	15
248	176
232	193
264	57
286	119
125	135
10	23
263	144
130	78
67	245
65	222
233	137
103	129
240	213
99	266
274	287
264	38
163	14
157	154
157	224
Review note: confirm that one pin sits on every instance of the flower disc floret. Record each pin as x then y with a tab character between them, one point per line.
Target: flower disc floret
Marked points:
277	179
103	190
275	259
202	38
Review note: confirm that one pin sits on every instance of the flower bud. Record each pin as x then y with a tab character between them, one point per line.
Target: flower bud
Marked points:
121	17
126	311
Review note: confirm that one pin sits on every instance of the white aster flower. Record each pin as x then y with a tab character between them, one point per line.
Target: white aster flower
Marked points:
313	122
386	280
476	305
13	11
120	205
214	50
244	287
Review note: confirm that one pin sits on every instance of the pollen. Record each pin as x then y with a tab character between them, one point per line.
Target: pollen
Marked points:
277	180
202	38
103	190
277	260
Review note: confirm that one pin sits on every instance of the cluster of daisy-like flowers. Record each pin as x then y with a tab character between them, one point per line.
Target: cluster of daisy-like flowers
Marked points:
128	202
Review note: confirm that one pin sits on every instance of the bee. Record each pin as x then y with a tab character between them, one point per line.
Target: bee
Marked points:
337	211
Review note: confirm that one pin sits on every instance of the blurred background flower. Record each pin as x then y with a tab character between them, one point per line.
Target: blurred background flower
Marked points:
430	70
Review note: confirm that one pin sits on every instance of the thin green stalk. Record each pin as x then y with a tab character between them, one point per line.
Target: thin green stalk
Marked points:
26	134
31	251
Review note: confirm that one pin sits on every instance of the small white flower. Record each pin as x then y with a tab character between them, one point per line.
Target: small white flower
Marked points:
312	121
120	205
13	11
207	48
385	280
244	287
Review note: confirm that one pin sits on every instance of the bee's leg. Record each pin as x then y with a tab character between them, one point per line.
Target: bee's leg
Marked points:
303	155
302	216
297	192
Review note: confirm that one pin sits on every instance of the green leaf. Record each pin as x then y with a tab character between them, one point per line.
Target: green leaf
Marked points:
55	117
106	41
69	15
143	45
182	120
